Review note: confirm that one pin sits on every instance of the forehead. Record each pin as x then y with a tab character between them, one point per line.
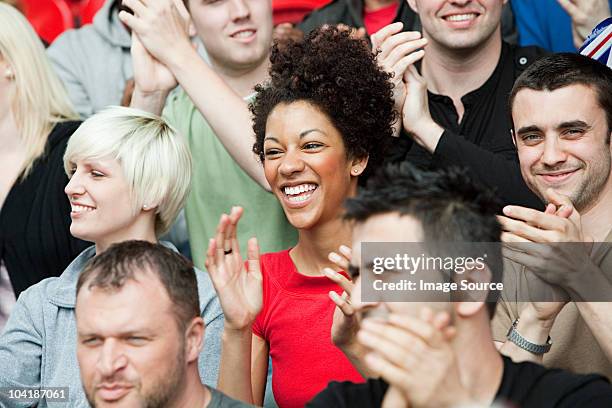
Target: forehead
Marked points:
296	117
388	227
139	304
531	107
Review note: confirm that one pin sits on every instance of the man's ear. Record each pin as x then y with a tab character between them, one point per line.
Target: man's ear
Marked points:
194	339
472	301
468	309
413	5
513	135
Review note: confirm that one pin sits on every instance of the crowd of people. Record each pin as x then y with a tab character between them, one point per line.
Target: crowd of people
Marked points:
188	193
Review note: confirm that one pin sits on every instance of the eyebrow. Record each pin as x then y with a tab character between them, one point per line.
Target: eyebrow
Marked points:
306	132
528	129
128	333
573	124
302	134
560	126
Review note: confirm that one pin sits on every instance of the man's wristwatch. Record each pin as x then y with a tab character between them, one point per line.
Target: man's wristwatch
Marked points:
515	337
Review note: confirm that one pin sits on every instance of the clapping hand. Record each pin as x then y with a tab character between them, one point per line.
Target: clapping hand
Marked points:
239	288
395	52
585	15
414	355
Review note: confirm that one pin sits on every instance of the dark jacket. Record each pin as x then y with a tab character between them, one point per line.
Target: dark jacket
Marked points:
482	142
350	12
35	240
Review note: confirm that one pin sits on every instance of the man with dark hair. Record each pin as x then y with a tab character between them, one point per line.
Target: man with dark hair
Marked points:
140	330
454	111
446	358
562	112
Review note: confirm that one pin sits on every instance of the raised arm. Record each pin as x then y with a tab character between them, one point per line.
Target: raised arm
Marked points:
163	26
243	360
494	169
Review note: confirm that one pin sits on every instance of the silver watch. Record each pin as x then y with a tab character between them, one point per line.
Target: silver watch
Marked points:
515	337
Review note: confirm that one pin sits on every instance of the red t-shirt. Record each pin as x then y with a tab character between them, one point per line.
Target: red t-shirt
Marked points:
375	20
296	321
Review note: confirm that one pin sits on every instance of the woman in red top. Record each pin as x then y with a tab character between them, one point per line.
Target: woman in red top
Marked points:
322	121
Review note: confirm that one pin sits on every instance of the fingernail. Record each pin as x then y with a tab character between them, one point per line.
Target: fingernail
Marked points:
334	257
368	323
507	210
365	337
372	359
329	272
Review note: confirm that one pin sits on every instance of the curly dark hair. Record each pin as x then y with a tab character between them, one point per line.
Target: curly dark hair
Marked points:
339	75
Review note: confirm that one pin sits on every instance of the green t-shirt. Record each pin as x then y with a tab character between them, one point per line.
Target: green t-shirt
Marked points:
218	184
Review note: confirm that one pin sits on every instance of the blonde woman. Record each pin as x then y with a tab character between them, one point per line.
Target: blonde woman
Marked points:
130	173
36	120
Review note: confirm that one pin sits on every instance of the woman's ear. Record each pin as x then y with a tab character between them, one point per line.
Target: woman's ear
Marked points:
149	206
358	165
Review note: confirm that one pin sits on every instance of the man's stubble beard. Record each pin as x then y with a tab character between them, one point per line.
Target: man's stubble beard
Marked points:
165	390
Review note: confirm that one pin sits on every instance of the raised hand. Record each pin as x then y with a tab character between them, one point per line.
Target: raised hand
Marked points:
416	119
415	356
585	15
551	245
345	324
395	52
239	288
531	238
163	26
150	75
285	33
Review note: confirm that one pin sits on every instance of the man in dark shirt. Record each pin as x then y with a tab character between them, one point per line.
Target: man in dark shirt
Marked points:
444	358
467	73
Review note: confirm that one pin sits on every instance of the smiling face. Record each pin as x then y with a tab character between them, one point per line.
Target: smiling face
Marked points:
130	350
236	33
562	144
457	25
102	206
306	164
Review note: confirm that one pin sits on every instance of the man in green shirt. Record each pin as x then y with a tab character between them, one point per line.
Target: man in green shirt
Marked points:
211	110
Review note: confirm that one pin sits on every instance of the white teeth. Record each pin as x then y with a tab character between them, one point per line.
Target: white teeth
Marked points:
299	199
461	17
302	188
81	208
244	34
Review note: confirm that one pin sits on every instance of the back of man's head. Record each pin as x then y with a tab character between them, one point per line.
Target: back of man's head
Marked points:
449	205
557	71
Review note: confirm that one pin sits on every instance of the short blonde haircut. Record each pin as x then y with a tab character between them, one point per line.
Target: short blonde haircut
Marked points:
155	159
40	100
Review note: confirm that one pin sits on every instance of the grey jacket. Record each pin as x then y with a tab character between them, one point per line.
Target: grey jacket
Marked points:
38	345
94	61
